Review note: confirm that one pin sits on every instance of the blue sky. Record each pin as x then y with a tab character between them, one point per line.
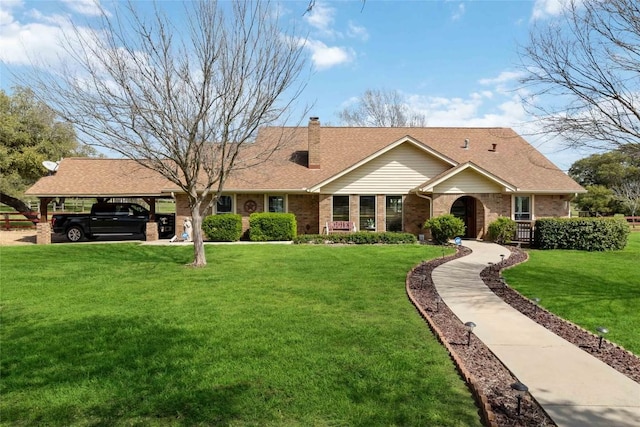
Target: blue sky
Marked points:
454	61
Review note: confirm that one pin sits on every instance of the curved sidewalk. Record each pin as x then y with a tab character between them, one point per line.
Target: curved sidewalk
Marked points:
573	387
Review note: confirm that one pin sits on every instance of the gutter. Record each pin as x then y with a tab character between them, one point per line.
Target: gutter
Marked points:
429	198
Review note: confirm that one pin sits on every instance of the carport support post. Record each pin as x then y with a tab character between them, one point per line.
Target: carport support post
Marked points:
43	233
44	208
151	231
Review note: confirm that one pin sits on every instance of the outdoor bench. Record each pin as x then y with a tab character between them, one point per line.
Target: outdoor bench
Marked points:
340	227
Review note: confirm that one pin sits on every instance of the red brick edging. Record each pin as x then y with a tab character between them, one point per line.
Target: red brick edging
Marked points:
486	414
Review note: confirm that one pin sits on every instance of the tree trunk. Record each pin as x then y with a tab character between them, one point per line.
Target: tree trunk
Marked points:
19	206
199	256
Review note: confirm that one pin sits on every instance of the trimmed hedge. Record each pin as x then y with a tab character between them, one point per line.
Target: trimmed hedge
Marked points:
357	238
223	227
585	234
502	230
445	227
268	226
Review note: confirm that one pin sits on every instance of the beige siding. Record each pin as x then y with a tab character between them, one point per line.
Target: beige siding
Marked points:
395	172
467	181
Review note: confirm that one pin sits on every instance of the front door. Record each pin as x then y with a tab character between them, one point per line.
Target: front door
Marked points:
465	209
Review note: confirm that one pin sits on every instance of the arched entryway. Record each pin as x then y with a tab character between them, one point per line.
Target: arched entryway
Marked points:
466	208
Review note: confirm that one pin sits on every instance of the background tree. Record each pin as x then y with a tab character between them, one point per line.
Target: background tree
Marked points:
612	170
628	193
30	132
184	103
381	108
609	169
583	74
597	201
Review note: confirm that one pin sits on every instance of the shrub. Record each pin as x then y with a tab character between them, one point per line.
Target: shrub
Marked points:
444	227
358	238
502	230
267	226
223	227
586	234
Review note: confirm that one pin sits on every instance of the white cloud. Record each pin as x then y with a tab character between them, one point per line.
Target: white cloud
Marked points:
84	7
357	32
324	56
503	77
321	17
21	44
459	12
549	8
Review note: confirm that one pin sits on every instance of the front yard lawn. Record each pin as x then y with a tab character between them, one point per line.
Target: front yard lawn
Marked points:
587	288
272	335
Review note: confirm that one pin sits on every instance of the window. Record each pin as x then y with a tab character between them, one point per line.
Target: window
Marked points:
224	205
367	212
276	203
394	213
522	208
340	210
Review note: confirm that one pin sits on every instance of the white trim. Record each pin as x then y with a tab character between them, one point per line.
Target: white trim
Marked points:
285	200
531	206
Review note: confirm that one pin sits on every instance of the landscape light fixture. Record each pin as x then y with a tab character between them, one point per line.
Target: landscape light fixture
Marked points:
602	331
536	301
501	257
469	326
438	301
520	389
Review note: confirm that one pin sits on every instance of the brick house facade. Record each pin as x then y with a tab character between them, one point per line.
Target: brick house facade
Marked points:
378	178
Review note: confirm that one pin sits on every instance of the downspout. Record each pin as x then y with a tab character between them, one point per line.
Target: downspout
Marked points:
429	198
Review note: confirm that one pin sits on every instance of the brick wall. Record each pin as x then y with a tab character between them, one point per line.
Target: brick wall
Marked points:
415	211
306	209
381	215
551	206
324	202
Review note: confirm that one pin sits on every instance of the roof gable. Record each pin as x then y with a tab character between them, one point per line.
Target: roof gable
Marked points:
449	175
406	140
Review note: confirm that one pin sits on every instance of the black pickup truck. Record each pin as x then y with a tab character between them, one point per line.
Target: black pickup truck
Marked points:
111	219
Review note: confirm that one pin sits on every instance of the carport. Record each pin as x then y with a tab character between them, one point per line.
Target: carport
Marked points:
102	179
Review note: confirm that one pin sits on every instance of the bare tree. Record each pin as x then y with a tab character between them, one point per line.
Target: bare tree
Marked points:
381	108
583	74
187	105
629	195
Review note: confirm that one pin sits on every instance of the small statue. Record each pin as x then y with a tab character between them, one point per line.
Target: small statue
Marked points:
187	236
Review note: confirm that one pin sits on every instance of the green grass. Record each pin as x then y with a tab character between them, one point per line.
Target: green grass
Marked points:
273	335
587	288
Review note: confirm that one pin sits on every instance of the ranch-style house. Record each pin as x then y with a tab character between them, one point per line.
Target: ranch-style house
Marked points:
378	179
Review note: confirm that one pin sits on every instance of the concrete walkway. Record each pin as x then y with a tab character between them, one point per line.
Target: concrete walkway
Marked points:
573	387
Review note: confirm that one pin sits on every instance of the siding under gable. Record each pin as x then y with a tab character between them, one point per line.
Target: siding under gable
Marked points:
394	172
468	181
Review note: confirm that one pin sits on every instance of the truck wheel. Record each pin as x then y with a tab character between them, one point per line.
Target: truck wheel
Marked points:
74	233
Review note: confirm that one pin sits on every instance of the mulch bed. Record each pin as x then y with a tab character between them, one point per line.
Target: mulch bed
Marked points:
488	378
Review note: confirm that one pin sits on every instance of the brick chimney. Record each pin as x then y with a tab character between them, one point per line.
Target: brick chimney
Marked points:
314	143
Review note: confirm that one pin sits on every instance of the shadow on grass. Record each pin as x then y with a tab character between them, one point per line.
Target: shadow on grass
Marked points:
105	370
